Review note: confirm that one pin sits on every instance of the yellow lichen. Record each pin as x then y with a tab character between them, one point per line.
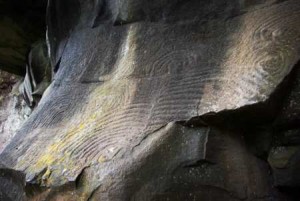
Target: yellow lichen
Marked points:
101	159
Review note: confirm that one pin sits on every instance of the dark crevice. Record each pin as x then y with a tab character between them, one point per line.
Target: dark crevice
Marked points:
102	13
32	190
79	179
56	67
91	196
293	193
198	163
26	20
12	184
286	120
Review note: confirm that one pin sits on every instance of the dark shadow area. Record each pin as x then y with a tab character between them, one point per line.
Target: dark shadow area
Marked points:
21	24
12	185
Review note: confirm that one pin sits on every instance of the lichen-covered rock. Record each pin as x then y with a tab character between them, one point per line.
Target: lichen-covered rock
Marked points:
285	162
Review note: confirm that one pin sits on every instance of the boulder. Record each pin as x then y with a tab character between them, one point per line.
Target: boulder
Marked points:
131	79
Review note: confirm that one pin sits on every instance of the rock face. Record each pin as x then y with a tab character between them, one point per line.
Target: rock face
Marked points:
284	157
155	100
38	74
13	110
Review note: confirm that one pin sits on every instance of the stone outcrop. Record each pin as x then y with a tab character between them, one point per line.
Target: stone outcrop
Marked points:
284	156
163	100
13	110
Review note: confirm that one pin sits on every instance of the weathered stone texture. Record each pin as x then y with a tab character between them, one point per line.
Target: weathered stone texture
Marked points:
13	110
133	110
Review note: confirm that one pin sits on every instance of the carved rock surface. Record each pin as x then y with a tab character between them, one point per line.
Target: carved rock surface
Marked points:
105	128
